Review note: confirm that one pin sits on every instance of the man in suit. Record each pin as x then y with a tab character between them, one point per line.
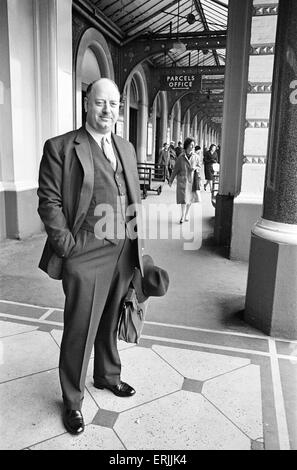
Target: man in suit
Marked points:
82	173
164	159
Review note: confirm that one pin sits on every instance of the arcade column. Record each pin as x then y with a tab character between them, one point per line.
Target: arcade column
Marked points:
35	101
271	298
236	74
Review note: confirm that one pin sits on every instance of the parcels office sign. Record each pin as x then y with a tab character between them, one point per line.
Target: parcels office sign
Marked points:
180	81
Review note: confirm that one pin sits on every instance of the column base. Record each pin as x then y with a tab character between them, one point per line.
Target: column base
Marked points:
246	212
223	220
21	217
271	298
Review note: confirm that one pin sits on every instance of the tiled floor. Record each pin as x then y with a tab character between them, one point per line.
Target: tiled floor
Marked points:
196	389
204	378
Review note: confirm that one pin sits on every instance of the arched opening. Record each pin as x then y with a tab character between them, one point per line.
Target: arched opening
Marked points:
133	109
176	122
93	61
134	115
90	72
158	143
159	122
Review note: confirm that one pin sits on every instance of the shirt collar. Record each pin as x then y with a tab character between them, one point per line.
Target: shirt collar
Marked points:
97	135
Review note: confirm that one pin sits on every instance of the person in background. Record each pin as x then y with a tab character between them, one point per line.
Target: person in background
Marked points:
209	159
198	152
164	159
179	149
172	157
218	152
184	168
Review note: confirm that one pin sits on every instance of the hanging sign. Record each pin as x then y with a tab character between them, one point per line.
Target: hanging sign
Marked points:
177	80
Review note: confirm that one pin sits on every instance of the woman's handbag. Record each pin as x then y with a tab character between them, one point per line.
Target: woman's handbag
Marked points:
132	318
196	181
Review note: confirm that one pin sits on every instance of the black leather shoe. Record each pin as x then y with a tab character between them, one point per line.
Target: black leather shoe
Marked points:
120	390
73	421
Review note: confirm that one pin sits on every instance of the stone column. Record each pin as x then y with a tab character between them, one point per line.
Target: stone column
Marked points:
205	133
164	119
247	206
271	300
201	135
142	132
236	76
36	77
187	130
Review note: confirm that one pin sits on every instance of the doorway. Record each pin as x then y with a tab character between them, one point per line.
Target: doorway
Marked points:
133	127
158	144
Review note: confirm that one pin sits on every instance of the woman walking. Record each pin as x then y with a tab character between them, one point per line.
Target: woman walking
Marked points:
185	165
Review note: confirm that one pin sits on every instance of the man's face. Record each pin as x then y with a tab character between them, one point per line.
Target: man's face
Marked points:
102	106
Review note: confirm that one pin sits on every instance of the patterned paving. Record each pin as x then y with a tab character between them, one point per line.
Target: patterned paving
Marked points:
196	389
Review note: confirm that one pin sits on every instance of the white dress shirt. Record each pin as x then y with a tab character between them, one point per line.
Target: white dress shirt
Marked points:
108	149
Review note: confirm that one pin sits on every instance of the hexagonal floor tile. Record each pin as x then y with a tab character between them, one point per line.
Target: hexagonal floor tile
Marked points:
238	395
31	410
28	353
199	365
57	335
182	420
8	328
146	372
93	438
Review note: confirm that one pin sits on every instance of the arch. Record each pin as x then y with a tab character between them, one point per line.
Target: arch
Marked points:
136	86
134	94
178	99
160	113
90	67
95	41
186	124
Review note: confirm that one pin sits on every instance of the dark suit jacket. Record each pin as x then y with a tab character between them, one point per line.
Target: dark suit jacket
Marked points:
66	180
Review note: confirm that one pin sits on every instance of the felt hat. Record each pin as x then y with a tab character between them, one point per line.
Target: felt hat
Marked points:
154	282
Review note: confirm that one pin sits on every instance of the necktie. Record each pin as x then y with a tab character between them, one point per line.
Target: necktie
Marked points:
108	152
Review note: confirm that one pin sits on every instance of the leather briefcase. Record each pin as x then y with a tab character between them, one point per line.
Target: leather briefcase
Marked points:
132	318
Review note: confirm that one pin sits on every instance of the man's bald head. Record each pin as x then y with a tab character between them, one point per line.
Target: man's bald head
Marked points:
101	81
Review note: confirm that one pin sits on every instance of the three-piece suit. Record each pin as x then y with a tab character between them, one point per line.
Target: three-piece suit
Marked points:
75	178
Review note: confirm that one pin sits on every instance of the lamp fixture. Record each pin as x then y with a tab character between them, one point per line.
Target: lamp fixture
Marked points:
191	18
178	46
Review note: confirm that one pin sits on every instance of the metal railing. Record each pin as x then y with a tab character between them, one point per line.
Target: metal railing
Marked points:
151	177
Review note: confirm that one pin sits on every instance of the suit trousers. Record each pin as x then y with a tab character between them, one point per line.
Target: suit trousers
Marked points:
96	278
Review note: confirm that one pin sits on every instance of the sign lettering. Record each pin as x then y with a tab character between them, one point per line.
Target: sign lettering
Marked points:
175	81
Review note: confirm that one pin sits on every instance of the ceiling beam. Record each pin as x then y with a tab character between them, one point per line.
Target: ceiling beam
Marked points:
98	19
194	41
199	9
141	24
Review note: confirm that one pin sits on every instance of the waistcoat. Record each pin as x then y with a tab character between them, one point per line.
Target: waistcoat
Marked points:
106	215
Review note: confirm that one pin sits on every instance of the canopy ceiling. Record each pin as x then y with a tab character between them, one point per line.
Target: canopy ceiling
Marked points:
170	18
